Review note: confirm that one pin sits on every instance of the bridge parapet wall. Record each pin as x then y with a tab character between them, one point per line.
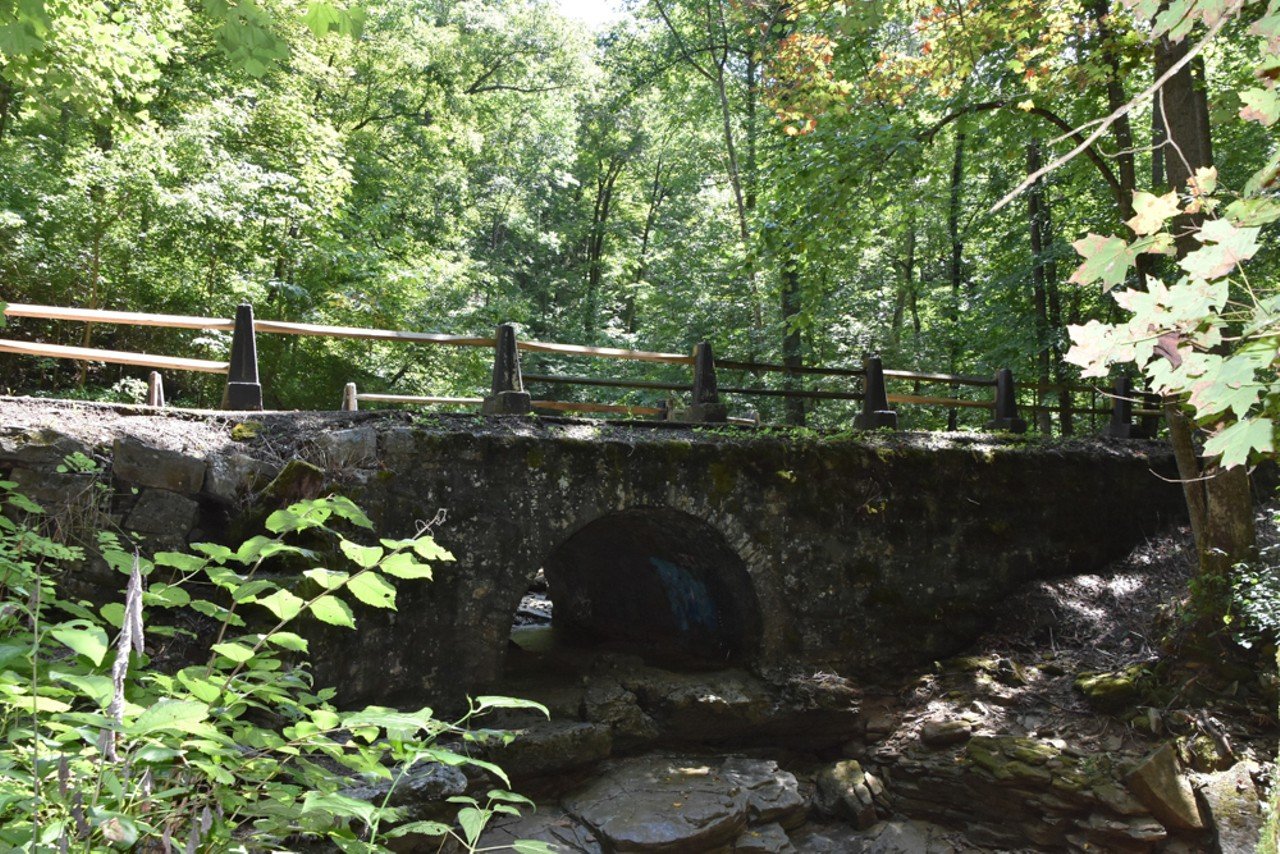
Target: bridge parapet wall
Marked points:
851	554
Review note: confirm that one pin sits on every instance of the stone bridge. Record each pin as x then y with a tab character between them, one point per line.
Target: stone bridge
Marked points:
855	554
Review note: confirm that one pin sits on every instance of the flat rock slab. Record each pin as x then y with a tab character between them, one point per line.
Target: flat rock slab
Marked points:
160	468
672	803
547	824
887	837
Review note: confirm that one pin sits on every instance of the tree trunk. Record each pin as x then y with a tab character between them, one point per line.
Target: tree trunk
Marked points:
1218	500
1039	288
955	267
792	343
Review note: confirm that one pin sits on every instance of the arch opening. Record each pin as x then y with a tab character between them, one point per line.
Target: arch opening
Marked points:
657	583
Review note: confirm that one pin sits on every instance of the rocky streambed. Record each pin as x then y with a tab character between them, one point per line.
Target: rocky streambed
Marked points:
1064	729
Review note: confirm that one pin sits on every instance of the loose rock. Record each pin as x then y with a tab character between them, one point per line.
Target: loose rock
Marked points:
1160	786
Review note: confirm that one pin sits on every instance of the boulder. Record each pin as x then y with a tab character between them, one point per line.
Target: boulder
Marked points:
552	747
661	803
1159	785
608	702
548	824
164	514
773	795
1234	808
843	792
159	468
945	733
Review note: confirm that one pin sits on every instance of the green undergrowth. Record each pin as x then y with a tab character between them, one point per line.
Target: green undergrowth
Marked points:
234	748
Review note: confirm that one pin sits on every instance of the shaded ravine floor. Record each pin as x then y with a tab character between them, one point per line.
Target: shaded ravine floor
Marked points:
1046	735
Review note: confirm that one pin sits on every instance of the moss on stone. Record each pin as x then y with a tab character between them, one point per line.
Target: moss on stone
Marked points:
245	431
1112	690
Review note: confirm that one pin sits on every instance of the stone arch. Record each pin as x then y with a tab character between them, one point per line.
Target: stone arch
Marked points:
655	581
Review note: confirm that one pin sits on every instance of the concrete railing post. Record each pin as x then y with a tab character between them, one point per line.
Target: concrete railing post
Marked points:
155	389
350	398
1121	426
1006	420
875	400
706	407
507	395
244	391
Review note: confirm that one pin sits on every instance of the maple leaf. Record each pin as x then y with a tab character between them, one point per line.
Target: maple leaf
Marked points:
1260	105
1092	346
1205	181
1151	211
1225	247
1105	258
1235	443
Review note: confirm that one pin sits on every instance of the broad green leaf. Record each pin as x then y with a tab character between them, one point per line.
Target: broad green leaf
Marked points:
283	604
428	549
215	552
84	638
484	704
362	556
472	821
503	796
171	715
1260	105
334	611
288	640
1151	212
419	828
1253	212
338	806
531	846
204	689
166	596
100	689
1238	441
345	508
405	565
1105	258
372	589
328	579
247	591
1225	247
237	652
181	561
113	613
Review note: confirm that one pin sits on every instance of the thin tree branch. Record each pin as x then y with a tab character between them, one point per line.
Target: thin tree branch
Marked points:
1114	117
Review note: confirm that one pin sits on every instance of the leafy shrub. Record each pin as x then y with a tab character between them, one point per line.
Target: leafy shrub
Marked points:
1255	611
238	752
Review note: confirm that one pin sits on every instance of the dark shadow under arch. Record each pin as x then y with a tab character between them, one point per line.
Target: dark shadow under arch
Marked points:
656	582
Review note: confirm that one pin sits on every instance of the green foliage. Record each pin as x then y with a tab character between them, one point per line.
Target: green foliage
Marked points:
1254	617
107	747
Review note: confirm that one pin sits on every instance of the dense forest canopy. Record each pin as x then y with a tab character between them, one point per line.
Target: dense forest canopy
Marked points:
797	182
